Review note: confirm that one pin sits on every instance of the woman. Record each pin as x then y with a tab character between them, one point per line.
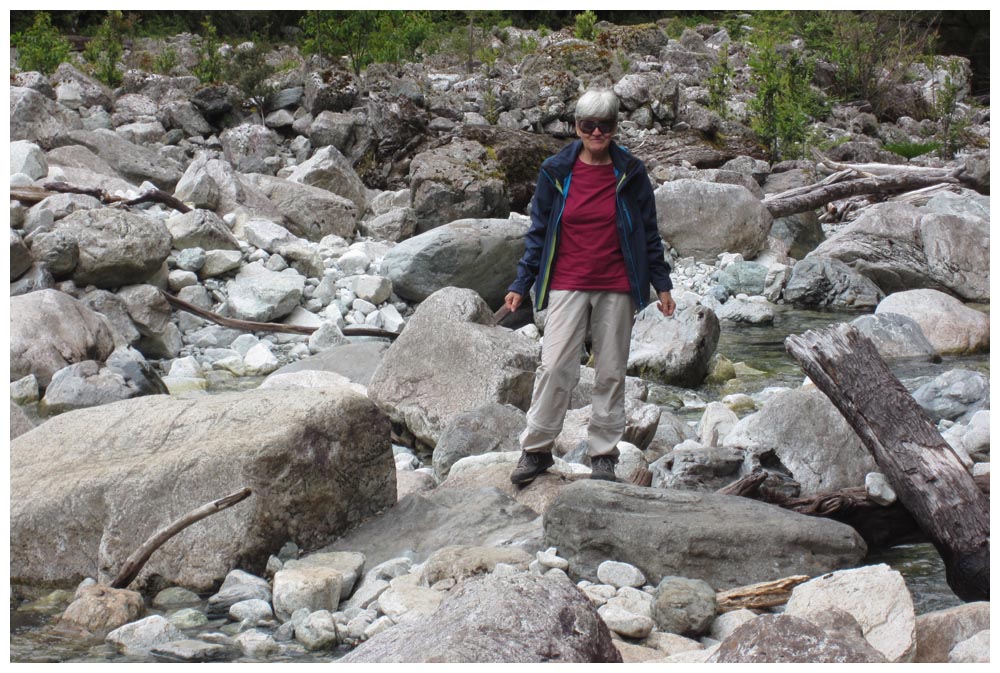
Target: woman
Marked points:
592	251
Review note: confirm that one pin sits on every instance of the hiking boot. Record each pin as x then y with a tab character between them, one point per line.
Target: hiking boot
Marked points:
529	466
603	467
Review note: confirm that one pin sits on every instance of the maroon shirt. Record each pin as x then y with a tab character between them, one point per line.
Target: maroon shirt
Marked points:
589	256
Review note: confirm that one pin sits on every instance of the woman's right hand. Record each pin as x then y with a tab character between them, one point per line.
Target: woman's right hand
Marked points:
512	301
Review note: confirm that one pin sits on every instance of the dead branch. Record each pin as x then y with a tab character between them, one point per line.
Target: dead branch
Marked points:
760	596
253	326
134	563
33	195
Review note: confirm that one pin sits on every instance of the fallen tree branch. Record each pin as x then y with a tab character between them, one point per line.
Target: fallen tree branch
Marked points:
760	596
34	195
254	326
134	563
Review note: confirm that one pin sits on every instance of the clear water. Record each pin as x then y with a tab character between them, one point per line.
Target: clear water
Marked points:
760	347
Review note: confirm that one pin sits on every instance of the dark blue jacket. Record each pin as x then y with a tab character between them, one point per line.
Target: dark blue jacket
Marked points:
637	232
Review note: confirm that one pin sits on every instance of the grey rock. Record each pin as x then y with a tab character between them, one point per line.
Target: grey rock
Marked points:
85	384
787	639
955	395
357	361
696	468
37	277
933	250
175	597
116	247
684	606
253	610
395	225
333	89
19	421
132	162
201	229
261	295
99	609
330	170
310	212
940	631
703	219
318	440
37	119
20	257
480	255
318	631
57	250
112	307
896	336
674	350
28	158
138	638
248	145
50	330
456	181
973	650
422	523
238	586
219	262
460	562
952	327
802	233
824	281
809	437
473	624
494	427
743	277
619	574
190	651
736	537
188	618
435	370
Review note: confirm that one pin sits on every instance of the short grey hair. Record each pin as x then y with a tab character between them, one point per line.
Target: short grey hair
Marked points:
598	104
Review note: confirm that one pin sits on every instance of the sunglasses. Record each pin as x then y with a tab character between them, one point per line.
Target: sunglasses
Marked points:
588	126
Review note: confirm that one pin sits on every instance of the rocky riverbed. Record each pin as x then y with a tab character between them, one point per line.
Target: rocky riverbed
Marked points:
382	525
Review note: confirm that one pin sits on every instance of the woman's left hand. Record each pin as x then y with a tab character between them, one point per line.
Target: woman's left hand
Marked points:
666	303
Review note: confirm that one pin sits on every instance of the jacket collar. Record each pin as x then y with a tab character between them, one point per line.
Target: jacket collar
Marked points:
561	164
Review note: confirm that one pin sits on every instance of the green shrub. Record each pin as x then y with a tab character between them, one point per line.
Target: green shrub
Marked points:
248	71
211	65
910	150
41	47
165	61
719	83
783	102
584	27
365	36
105	50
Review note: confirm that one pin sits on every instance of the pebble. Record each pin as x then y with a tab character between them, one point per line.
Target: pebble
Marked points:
619	574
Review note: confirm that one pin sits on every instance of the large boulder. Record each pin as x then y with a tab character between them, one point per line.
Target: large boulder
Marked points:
50	330
456	181
954	395
938	632
20	422
262	295
674	350
29	159
38	119
90	384
310	212
213	184
356	361
904	247
825	281
787	639
724	540
809	437
450	359
116	247
249	146
704	219
876	596
494	427
519	618
135	163
952	327
330	170
88	487
896	336
421	523
481	255
201	229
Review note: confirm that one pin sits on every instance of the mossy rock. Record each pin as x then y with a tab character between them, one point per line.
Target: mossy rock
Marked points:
644	38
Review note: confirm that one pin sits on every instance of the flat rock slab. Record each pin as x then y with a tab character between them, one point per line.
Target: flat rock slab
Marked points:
94	484
726	541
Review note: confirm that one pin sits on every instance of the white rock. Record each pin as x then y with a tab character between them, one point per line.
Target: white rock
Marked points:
311	587
974	650
257	644
599	594
24	390
179	385
260	359
374	289
378	626
254	611
876	596
392	321
353	262
625	623
727	622
878	489
243	343
633	600
550	559
303	318
619	574
186	366
318	631
980	469
138	638
326	336
403	601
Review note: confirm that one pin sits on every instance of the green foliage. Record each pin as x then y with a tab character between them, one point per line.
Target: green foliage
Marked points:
248	70
783	103
106	50
584	25
40	47
910	150
211	66
953	127
365	36
165	61
719	83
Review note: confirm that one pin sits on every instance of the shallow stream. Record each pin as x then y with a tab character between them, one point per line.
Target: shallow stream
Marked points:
760	347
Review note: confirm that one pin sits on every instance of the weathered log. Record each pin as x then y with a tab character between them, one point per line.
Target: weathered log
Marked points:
747	486
254	326
134	563
928	478
760	596
34	195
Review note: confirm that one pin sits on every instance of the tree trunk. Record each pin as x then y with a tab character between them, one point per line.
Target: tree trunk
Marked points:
928	478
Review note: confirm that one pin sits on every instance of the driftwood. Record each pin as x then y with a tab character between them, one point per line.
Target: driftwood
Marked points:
134	563
33	195
253	326
760	596
928	478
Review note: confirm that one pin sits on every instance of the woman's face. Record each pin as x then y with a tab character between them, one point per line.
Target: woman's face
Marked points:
595	133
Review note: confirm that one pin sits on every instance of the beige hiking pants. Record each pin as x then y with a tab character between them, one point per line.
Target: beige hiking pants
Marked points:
610	315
